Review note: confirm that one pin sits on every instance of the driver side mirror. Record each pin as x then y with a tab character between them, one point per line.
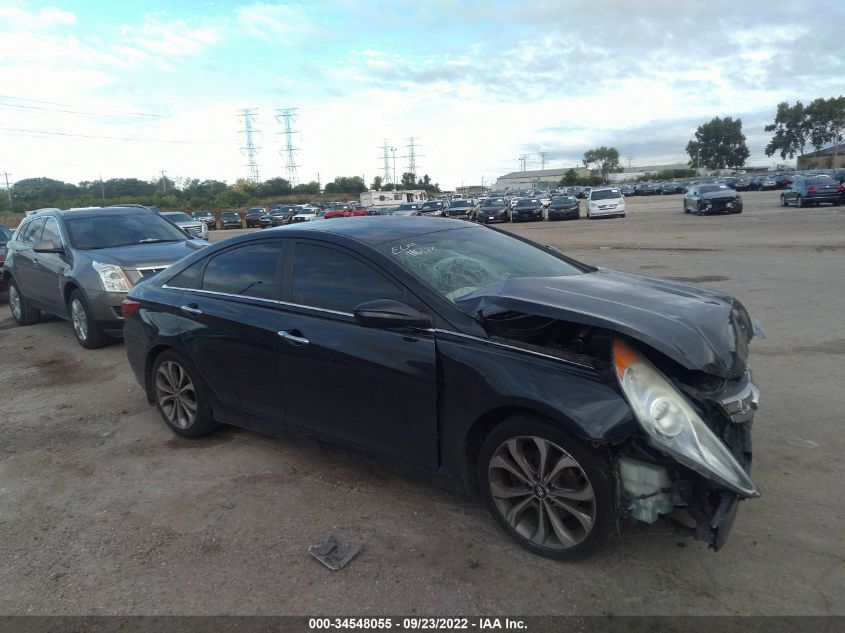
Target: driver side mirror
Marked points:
47	246
388	314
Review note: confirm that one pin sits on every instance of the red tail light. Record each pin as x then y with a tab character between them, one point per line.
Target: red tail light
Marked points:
812	189
129	307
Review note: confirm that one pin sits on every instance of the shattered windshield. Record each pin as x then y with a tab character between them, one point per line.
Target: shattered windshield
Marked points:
458	262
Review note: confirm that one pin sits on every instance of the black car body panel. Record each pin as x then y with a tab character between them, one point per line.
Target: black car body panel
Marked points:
424	397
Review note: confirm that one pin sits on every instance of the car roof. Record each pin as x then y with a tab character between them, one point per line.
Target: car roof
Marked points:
372	230
85	212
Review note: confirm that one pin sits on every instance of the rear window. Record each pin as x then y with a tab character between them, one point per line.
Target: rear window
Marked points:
248	271
824	181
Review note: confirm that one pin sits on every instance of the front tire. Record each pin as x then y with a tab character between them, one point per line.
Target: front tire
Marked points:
783	200
551	493
22	312
181	396
87	333
799	202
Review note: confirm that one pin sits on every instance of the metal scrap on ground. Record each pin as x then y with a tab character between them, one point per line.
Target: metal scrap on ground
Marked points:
332	554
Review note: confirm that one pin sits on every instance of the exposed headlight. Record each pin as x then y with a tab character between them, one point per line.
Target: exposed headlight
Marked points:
112	277
672	425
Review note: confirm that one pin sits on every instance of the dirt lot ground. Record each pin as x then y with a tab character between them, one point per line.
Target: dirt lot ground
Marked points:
105	511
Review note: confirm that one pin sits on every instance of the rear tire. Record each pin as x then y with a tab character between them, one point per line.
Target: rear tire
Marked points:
549	492
181	396
22	312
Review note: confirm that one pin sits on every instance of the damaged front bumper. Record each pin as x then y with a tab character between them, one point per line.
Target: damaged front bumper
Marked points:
653	485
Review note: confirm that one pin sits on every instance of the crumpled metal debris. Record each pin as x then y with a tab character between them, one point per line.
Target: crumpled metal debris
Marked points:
332	554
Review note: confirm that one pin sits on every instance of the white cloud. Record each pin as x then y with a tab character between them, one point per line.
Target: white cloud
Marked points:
282	24
19	19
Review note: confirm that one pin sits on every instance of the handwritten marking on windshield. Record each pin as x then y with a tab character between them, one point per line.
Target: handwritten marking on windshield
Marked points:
411	249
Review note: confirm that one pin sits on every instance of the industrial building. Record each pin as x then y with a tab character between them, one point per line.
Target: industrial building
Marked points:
823	159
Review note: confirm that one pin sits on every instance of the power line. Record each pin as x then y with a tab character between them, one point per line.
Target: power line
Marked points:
247	115
109	138
113	115
287	116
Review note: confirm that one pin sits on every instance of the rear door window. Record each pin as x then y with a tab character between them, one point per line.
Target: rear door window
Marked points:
247	271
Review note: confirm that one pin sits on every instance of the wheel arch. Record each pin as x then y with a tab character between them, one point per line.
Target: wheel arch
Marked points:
487	422
153	353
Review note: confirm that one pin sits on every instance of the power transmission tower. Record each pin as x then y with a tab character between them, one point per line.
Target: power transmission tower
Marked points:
8	188
543	160
385	157
412	155
247	116
522	159
286	116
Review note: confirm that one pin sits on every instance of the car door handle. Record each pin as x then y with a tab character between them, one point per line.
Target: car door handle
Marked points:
292	338
191	309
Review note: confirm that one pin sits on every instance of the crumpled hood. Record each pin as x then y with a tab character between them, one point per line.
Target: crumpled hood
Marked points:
145	254
699	328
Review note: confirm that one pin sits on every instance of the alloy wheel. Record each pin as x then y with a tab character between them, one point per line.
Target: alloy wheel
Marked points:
542	492
79	319
15	302
176	394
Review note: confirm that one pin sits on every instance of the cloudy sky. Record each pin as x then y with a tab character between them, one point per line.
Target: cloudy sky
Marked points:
119	89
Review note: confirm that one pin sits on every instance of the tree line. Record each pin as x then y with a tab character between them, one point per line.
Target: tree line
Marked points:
187	194
720	143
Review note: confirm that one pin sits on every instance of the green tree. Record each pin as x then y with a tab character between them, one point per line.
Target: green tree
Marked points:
275	187
569	178
377	182
409	181
312	188
827	119
718	144
603	160
344	184
792	128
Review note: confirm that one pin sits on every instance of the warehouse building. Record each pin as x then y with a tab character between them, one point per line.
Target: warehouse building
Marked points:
823	159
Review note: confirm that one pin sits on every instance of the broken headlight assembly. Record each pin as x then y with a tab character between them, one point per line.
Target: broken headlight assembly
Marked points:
672	425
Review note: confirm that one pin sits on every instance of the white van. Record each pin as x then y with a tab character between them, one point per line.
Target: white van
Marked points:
605	202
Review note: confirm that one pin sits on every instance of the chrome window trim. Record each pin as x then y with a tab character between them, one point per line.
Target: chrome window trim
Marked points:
261	299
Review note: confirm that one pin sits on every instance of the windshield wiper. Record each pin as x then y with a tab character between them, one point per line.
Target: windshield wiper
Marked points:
152	240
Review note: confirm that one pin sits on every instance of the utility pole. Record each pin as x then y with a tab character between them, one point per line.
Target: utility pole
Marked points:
287	116
102	188
163	181
8	188
393	150
247	116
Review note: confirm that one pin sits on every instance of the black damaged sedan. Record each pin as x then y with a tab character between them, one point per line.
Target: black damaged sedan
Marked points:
712	198
565	395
